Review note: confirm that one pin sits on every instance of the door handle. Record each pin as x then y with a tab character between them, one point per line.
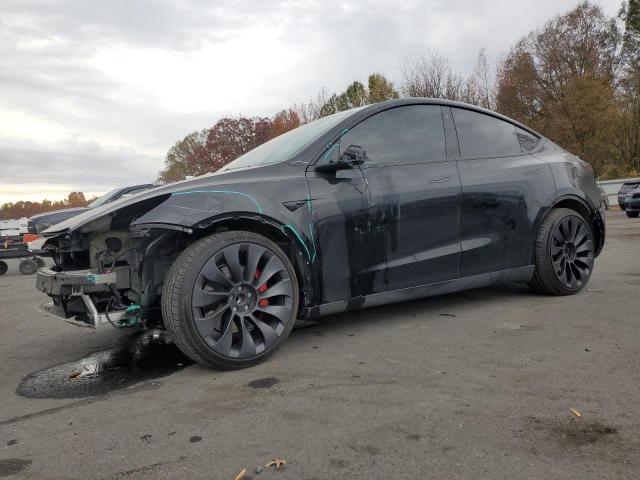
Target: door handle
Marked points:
535	171
439	180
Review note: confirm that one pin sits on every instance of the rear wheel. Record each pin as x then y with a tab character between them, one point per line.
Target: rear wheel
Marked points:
632	214
564	253
3	267
230	299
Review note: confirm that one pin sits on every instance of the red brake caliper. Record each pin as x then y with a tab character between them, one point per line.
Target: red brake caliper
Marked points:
263	302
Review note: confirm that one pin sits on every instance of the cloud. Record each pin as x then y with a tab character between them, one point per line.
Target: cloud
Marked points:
98	91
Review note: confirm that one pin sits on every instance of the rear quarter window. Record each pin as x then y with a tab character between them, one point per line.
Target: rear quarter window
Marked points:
482	136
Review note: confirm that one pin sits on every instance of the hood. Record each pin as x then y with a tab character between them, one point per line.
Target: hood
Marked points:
155	196
53	213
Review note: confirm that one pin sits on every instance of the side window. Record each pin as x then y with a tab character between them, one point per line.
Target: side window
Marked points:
401	135
528	141
481	135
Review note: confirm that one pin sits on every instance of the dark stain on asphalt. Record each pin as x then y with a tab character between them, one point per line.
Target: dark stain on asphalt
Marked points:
12	442
11	466
574	432
195	439
138	357
146	438
338	463
578	433
267	382
447	315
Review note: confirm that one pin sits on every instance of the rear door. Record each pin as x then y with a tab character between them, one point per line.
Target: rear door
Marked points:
503	190
413	195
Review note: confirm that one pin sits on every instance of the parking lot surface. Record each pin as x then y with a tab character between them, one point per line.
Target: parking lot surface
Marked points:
472	385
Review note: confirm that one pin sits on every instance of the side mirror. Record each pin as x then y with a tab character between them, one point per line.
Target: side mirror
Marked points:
352	156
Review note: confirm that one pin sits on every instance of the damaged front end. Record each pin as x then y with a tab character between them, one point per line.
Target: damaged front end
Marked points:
109	272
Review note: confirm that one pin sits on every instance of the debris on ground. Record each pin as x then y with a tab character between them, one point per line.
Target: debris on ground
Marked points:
87	369
575	412
241	475
258	470
277	462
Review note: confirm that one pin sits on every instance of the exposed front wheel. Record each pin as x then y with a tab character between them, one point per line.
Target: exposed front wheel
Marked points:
564	253
3	267
632	214
230	299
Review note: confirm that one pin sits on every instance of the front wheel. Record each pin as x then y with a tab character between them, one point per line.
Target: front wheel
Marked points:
230	299
632	214
564	253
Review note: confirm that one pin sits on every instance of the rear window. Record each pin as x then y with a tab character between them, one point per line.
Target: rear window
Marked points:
629	186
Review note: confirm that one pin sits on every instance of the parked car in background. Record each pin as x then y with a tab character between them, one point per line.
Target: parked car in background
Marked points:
632	203
604	198
390	202
626	187
41	221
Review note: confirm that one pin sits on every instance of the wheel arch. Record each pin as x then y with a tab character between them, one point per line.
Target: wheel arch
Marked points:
283	235
581	206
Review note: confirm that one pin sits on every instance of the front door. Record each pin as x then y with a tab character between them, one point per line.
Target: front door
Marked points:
413	200
338	201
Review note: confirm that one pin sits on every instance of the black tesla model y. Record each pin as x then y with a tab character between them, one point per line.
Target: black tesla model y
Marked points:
390	202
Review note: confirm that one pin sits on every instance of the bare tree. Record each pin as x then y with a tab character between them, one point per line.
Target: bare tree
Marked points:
480	88
430	76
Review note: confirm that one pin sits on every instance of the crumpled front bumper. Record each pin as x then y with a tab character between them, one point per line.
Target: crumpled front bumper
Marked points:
73	293
76	281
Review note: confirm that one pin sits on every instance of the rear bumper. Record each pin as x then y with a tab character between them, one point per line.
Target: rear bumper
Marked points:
632	205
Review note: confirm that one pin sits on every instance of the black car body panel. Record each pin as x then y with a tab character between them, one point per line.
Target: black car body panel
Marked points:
393	228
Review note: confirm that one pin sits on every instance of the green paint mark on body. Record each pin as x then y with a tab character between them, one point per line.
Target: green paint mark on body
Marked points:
295	232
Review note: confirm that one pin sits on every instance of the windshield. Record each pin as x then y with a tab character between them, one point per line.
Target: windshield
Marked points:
288	144
101	200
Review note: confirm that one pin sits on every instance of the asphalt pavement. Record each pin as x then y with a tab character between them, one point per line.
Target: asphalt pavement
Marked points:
473	385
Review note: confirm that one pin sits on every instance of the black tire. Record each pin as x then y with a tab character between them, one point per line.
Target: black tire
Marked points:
27	267
213	300
40	262
3	267
632	214
564	253
622	207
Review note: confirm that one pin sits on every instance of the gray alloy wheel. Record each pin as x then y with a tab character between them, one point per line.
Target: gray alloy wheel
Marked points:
572	252
564	253
230	299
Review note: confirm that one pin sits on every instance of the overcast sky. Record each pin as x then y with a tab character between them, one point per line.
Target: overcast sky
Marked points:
92	94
